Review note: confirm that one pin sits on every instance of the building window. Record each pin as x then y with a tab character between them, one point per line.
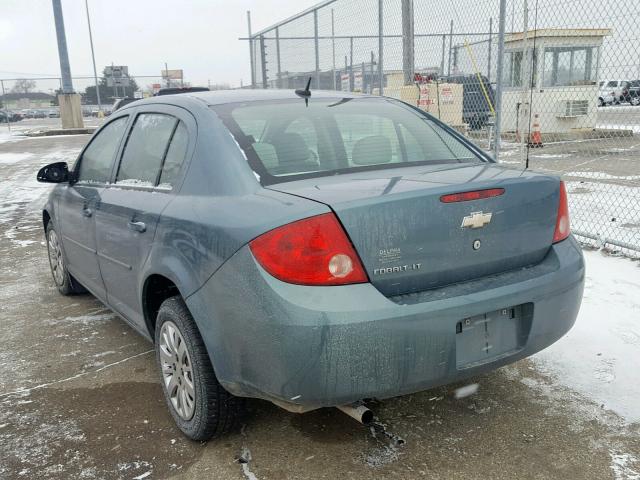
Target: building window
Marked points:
570	66
514	69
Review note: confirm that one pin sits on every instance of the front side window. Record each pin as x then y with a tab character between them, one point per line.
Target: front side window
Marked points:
337	135
97	160
146	149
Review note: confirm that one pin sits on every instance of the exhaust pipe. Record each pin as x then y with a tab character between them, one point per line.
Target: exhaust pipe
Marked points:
358	412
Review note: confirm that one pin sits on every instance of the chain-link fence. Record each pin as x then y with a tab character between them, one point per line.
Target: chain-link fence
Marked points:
550	85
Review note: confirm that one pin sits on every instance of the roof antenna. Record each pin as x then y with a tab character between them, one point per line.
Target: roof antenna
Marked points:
306	93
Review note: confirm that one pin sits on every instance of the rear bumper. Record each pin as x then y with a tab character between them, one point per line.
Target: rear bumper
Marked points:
326	346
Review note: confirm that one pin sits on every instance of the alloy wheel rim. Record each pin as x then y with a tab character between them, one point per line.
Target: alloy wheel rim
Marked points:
177	371
55	258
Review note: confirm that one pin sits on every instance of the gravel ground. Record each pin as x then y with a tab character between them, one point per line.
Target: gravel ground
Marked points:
80	398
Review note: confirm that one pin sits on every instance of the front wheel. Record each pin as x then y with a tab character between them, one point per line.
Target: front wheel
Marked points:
67	285
199	405
635	101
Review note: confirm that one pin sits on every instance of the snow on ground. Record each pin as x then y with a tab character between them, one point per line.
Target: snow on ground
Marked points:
21	189
605	209
600	357
9	136
633	127
602	176
621	464
7	158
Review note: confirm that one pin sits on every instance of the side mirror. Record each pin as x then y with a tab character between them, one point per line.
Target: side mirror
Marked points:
54	173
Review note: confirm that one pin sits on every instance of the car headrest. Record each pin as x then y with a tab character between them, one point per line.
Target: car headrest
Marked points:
291	149
371	150
266	152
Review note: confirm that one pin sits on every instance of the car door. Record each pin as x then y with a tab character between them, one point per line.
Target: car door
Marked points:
79	201
144	183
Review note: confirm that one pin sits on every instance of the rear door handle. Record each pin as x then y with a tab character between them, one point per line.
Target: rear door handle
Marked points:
137	226
87	212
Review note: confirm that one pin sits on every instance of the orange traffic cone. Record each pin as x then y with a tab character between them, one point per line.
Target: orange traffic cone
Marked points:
535	138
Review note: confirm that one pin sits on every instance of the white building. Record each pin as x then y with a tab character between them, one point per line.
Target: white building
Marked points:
552	73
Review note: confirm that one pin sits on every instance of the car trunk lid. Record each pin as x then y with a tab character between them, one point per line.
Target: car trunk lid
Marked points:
410	240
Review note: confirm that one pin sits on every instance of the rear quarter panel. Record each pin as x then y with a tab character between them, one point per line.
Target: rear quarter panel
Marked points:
219	207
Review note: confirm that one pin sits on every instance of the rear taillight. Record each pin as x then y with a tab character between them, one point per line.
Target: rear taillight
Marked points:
563	228
313	251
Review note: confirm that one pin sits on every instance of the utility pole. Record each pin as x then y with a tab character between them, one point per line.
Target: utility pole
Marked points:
407	42
333	51
113	82
5	107
63	54
380	46
251	60
70	110
93	57
499	69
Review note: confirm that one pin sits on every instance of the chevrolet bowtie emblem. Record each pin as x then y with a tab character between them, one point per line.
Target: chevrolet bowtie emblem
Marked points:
476	220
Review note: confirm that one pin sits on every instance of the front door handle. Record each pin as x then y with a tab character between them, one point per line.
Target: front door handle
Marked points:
137	226
87	212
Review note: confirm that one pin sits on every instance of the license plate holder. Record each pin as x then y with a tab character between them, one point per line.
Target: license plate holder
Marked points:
489	336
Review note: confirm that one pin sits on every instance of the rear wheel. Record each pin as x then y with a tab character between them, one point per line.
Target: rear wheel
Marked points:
199	405
67	285
635	101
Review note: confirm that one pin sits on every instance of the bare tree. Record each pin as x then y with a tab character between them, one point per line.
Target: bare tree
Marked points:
23	86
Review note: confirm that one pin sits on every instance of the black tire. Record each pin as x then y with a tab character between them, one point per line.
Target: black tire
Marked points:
216	411
66	284
601	102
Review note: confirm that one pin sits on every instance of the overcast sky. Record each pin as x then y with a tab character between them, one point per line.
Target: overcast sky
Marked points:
199	36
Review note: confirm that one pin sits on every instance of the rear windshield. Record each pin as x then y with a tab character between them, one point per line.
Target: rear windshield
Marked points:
285	140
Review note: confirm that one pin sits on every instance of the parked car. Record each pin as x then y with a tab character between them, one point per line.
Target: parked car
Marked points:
611	92
16	116
177	90
38	114
477	102
10	115
53	113
121	102
631	93
310	255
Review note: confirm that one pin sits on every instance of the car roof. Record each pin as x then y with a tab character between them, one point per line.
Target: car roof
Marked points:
220	97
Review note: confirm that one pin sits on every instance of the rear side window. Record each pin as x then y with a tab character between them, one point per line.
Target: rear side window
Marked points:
97	159
146	149
175	156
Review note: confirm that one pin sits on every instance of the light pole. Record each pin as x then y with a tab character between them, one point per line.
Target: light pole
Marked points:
70	110
63	54
93	57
